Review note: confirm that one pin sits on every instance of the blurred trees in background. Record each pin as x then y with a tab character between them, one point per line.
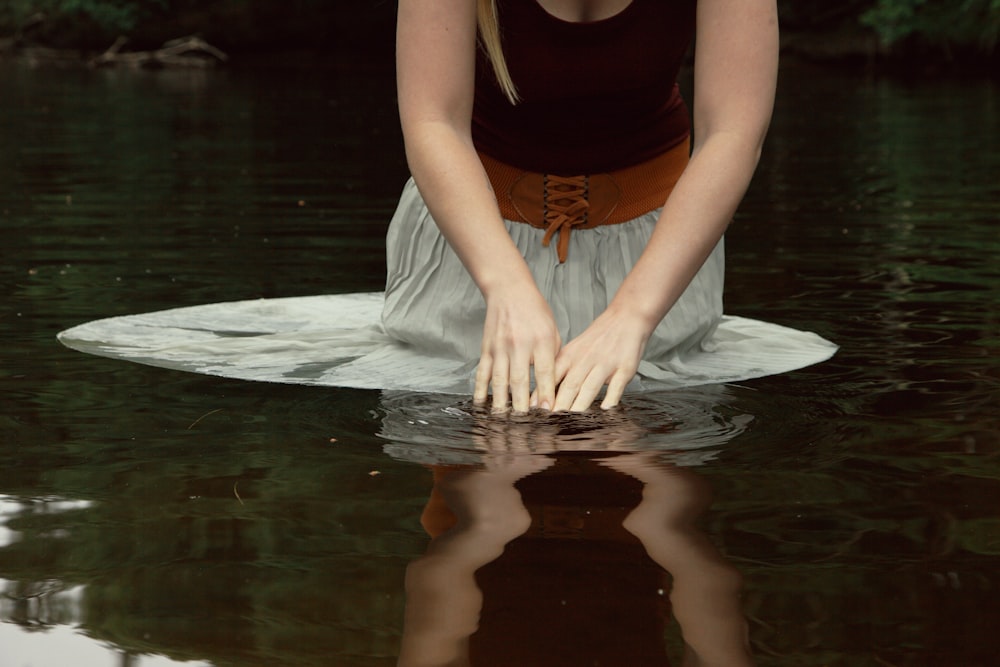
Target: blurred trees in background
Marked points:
946	23
77	22
239	26
936	28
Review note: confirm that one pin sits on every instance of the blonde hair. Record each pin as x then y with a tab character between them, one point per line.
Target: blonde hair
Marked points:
489	35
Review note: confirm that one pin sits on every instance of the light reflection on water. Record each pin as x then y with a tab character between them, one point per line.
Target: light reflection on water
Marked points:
230	523
64	644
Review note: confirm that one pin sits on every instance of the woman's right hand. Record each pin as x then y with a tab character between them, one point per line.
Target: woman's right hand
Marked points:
519	334
436	75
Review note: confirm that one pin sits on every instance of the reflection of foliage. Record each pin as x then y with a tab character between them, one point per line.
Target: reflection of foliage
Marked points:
981	536
232	23
247	550
119	15
962	22
83	19
38	605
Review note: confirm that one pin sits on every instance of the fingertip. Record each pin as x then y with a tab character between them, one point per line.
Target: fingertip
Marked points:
546	397
480	395
520	392
500	403
562	403
610	400
613	396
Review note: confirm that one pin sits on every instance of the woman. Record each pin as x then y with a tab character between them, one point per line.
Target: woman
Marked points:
598	77
558	236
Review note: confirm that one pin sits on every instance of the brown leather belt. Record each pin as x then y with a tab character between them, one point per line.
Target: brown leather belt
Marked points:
559	204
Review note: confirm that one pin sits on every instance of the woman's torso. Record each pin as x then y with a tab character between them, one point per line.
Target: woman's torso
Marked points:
595	96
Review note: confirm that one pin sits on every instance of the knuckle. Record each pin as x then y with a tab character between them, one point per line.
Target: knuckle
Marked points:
544	365
569	385
518	378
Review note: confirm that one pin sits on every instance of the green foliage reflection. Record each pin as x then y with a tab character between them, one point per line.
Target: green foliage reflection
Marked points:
962	22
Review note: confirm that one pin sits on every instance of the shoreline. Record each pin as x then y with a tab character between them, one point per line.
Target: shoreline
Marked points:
837	50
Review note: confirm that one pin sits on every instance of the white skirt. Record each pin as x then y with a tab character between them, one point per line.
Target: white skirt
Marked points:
424	332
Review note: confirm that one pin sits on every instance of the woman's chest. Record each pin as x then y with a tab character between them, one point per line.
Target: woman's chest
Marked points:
583	11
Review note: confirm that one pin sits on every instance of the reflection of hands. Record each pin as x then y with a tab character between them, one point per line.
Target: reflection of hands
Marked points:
519	334
706	588
509	437
608	352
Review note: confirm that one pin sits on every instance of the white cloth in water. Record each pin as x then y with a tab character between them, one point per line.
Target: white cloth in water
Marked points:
423	333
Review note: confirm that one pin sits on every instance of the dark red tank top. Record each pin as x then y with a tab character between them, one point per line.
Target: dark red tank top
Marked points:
595	97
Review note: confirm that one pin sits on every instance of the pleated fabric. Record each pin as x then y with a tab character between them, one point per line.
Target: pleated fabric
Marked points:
424	332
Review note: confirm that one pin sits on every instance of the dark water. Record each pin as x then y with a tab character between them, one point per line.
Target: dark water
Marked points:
846	514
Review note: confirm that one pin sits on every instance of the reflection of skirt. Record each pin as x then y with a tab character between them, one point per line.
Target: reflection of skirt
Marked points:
424	335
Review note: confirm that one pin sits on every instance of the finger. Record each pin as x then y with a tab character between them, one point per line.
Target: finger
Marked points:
563	389
562	366
615	390
520	383
588	392
484	373
545	380
568	389
500	381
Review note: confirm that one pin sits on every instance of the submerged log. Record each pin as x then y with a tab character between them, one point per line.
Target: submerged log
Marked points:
185	52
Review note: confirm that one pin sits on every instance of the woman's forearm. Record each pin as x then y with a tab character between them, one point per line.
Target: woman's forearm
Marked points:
453	183
736	66
519	331
689	227
436	55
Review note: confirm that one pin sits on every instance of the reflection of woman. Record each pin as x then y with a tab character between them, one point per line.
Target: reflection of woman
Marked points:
705	591
557	570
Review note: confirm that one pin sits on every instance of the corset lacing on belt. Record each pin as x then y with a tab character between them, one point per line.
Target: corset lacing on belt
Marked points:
561	203
566	204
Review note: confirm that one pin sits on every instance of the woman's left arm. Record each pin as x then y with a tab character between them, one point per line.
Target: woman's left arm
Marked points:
736	63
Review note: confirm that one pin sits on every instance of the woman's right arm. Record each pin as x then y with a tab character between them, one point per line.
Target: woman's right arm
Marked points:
435	64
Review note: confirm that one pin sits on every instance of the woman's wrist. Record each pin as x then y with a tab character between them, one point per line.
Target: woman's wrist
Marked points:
636	313
503	278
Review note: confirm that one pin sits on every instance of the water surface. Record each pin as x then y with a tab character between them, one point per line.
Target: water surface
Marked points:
846	514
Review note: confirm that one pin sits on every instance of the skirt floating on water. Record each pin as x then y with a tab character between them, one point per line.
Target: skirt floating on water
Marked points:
338	341
423	333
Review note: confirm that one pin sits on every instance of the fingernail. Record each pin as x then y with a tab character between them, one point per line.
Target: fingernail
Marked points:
546	406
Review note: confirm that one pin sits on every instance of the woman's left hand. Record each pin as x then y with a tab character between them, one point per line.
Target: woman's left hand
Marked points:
606	353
